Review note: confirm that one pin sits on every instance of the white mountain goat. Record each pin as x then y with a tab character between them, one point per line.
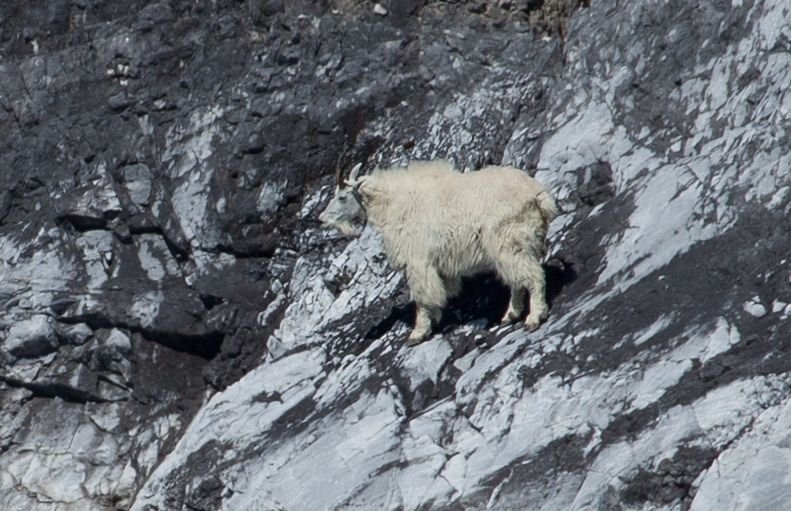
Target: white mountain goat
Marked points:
440	225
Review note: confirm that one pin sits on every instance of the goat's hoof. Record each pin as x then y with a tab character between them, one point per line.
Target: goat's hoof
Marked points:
532	324
414	341
509	319
416	337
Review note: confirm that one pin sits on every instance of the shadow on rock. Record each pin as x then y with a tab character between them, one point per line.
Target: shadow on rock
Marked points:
483	299
399	313
560	273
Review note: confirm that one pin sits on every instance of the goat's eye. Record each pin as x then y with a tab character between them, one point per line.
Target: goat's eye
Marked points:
342	198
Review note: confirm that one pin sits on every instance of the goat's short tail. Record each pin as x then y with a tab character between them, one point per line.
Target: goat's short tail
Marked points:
547	206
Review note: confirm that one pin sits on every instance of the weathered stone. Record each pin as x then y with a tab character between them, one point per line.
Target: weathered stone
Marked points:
380	9
32	337
137	180
75	334
119	342
121	101
261	10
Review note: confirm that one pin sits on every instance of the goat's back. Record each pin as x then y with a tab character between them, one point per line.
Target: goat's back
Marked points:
509	183
492	194
435	193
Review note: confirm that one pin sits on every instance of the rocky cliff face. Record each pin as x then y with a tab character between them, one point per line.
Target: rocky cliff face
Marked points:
178	332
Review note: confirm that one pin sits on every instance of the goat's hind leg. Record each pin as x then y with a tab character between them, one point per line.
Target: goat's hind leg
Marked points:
536	285
522	269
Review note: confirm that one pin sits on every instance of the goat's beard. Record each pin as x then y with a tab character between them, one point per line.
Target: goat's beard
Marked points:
348	228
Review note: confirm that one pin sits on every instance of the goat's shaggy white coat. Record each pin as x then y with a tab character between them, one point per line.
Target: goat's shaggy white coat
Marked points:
440	225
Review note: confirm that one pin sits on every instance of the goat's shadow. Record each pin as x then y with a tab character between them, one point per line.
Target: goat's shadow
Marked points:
483	299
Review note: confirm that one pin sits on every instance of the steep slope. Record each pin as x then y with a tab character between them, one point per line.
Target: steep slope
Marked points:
179	333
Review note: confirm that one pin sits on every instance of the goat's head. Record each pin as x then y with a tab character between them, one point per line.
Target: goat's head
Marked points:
344	211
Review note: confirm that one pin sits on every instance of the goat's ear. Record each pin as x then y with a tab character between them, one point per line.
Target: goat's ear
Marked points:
355	171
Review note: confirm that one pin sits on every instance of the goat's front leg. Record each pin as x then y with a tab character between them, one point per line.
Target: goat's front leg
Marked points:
515	306
428	290
423	323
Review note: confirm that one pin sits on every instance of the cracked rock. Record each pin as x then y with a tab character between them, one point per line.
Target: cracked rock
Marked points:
32	337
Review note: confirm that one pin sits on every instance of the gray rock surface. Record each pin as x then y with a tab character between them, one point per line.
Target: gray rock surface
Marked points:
177	332
31	337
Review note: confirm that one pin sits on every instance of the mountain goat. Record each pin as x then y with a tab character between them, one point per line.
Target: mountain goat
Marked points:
440	225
